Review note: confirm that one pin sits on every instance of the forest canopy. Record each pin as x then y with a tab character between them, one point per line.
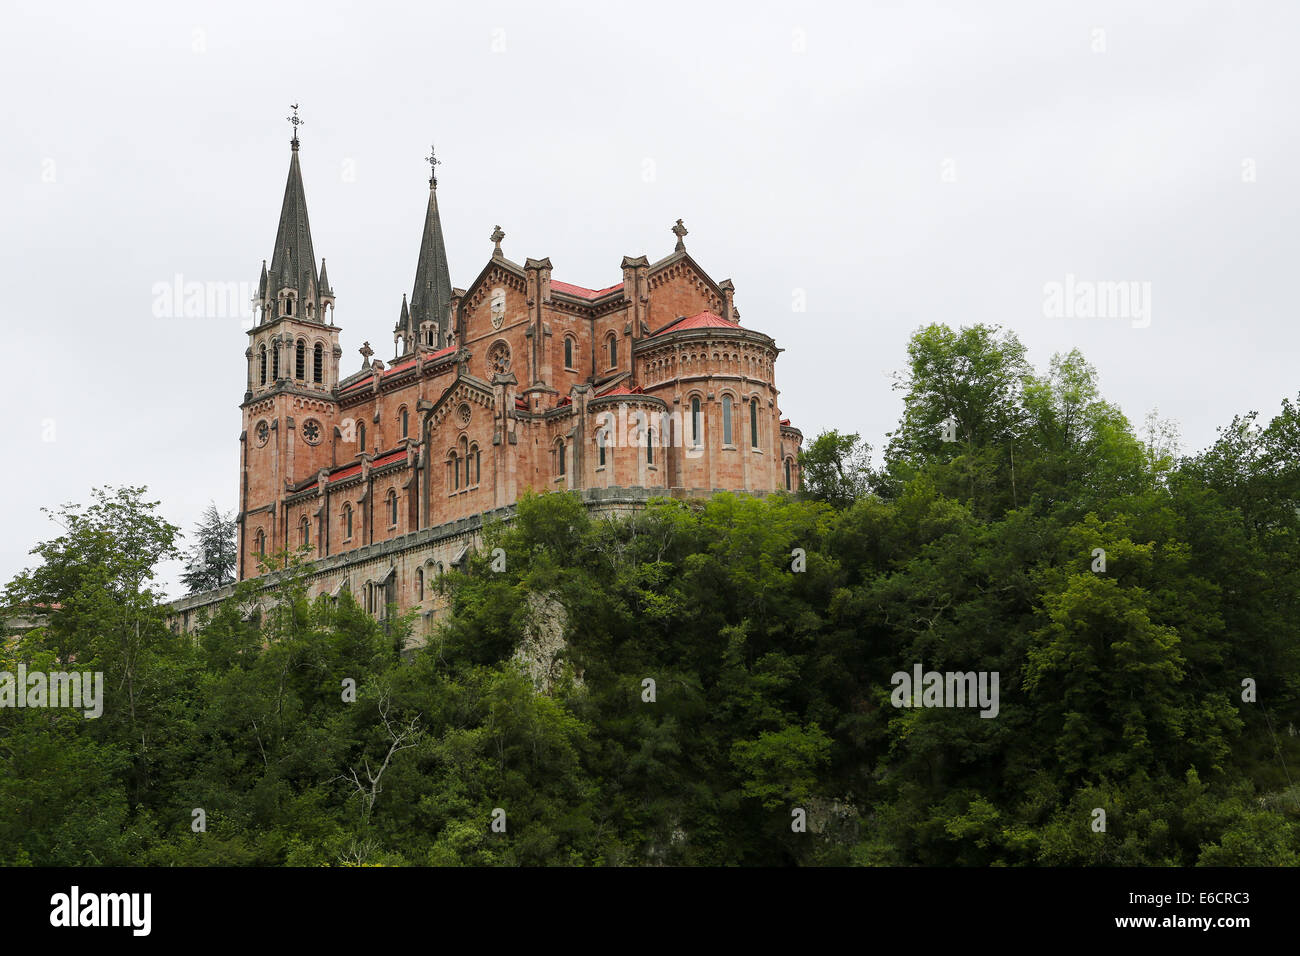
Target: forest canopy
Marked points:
710	681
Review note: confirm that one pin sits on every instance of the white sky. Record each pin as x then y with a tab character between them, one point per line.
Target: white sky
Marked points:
805	146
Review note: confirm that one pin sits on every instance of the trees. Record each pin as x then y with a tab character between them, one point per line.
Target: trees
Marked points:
713	667
211	560
836	469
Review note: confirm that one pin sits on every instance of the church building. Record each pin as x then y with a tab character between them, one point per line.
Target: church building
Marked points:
382	474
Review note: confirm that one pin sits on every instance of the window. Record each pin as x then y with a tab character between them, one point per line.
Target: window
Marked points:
696	433
568	352
613	351
560	449
262	350
300	361
455	472
419	583
347	521
288	305
318	366
753	423
392	508
275	361
259	544
650	446
361	436
726	419
600	446
304	531
477	458
405	422
787	474
499	358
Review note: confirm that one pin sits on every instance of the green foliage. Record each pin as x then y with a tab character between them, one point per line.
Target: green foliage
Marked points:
211	560
670	687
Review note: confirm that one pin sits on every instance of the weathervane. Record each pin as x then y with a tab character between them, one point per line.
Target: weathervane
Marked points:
434	163
295	122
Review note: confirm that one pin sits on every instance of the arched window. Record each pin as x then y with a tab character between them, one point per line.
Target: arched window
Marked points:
613	350
455	471
568	352
419	583
347	521
275	361
392	507
262	351
259	545
600	447
787	474
288	305
753	423
559	450
726	419
405	420
650	446
697	434
300	361
304	532
361	436
475	457
318	366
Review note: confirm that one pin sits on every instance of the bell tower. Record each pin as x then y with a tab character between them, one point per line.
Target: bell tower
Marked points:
289	408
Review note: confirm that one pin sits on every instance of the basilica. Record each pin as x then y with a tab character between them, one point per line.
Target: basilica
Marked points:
381	475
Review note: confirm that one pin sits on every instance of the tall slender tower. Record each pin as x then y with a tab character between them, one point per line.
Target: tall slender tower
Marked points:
289	410
427	320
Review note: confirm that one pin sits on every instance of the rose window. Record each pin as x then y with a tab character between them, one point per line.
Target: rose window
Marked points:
499	358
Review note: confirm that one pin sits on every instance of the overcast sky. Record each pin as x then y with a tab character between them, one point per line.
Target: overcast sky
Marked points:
888	164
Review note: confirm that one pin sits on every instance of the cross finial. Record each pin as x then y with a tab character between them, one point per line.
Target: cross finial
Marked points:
295	122
496	237
680	232
434	162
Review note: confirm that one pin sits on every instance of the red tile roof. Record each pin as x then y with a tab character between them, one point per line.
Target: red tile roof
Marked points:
351	471
700	320
622	389
580	292
785	421
409	363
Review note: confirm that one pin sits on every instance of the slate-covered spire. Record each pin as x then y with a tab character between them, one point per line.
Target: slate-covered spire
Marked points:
403	320
293	287
431	297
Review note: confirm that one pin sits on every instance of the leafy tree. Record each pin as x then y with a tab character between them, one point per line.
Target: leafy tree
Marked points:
836	469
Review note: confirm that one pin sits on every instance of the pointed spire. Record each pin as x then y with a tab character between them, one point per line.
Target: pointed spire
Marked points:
431	297
293	261
324	280
404	319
